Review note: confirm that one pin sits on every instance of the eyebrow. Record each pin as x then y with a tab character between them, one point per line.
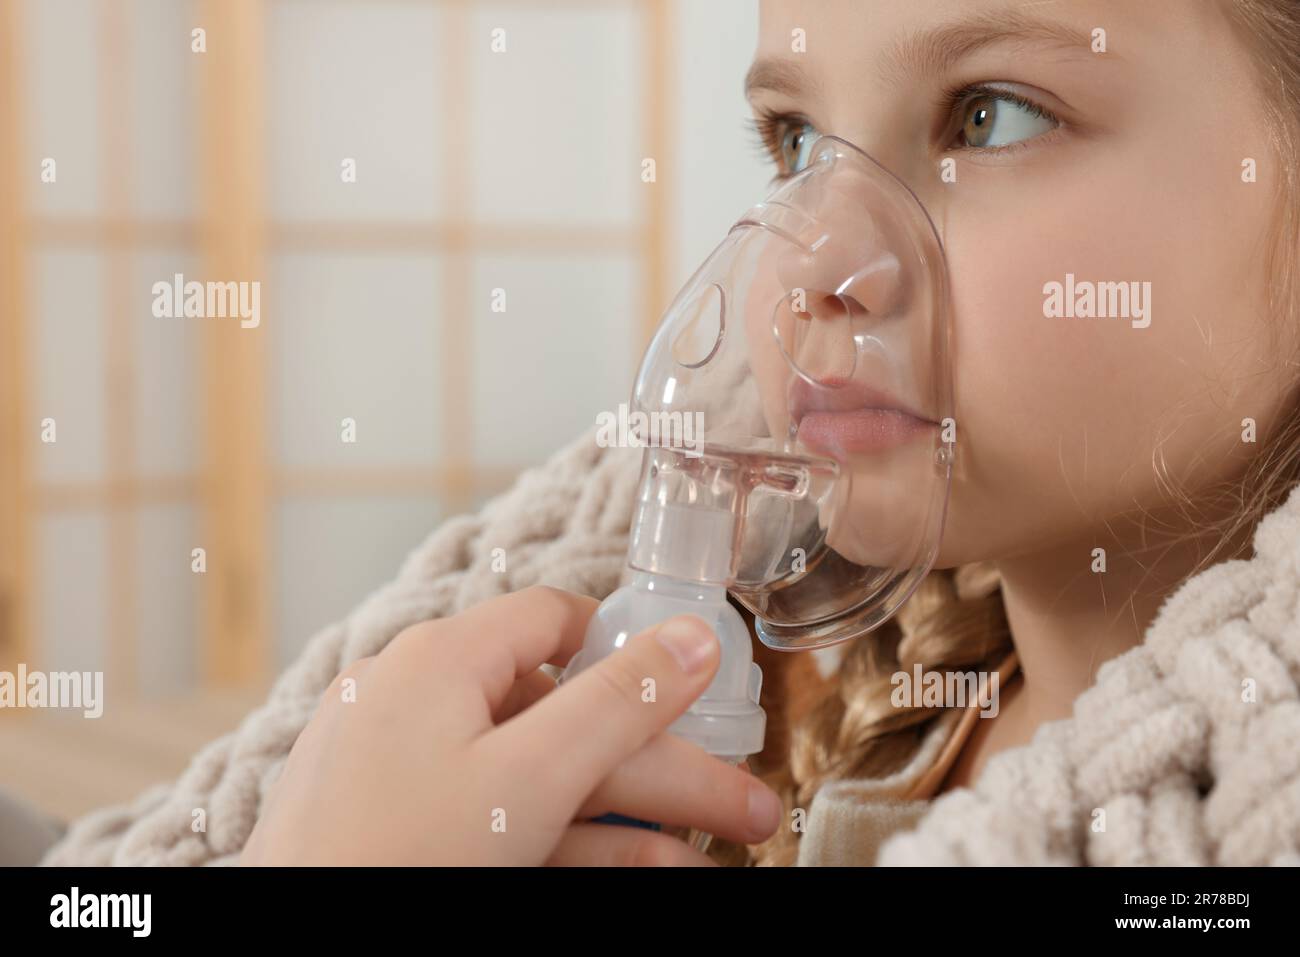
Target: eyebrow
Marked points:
930	52
779	76
934	51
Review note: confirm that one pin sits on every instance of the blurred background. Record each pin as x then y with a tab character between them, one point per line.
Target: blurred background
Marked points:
476	169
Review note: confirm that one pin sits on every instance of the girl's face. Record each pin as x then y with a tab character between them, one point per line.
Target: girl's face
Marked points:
1104	147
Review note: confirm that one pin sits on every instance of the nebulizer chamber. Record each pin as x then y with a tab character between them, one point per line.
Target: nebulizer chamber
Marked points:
795	410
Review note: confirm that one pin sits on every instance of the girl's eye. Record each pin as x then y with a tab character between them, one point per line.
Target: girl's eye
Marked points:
794	147
786	140
996	119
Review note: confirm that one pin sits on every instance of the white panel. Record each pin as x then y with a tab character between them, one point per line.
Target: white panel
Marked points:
166	602
561	352
557	118
355	80
332	554
166	379
715	45
162	103
354	337
72	610
67	368
59	99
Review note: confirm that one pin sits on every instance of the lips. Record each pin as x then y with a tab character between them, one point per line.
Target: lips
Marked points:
843	418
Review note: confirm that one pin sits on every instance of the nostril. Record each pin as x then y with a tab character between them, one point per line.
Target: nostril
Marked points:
831	306
815	333
809	305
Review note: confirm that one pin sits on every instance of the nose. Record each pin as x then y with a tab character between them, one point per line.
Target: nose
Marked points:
842	279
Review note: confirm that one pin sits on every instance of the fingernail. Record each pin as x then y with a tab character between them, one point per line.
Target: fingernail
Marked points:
689	642
764	809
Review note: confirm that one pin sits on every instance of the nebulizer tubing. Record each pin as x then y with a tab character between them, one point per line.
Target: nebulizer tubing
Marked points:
812	347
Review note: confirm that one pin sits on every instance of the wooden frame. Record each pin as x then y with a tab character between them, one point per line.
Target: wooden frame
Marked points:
235	483
15	429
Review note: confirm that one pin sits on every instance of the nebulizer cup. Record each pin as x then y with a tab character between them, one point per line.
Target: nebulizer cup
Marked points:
794	406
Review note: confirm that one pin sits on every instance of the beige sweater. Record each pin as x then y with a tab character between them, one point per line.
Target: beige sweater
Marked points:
1185	771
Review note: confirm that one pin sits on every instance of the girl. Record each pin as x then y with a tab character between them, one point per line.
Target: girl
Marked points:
1104	465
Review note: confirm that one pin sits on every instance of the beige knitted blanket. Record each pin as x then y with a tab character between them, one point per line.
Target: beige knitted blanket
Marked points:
1185	770
1185	750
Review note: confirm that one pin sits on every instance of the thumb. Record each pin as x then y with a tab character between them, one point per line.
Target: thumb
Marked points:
608	711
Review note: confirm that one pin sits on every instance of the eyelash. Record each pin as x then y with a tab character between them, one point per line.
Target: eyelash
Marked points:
769	126
955	99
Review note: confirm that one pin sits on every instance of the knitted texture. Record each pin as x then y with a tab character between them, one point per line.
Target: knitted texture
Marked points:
563	524
1184	751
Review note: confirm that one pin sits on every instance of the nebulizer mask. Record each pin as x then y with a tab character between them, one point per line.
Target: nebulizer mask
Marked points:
795	408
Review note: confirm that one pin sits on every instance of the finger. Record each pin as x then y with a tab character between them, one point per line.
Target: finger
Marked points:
495	643
344	685
612	845
345	688
526	692
677	783
604	715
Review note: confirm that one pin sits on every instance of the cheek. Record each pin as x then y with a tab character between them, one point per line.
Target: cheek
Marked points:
1063	420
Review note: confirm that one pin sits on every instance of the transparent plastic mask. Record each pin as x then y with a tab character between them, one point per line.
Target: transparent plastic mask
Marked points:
798	399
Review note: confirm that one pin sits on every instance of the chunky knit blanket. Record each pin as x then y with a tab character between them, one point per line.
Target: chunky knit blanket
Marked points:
1185	750
1189	744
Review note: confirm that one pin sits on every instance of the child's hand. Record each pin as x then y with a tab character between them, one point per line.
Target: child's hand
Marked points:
451	747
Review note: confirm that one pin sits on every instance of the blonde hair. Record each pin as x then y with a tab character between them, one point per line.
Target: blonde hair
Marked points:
956	619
